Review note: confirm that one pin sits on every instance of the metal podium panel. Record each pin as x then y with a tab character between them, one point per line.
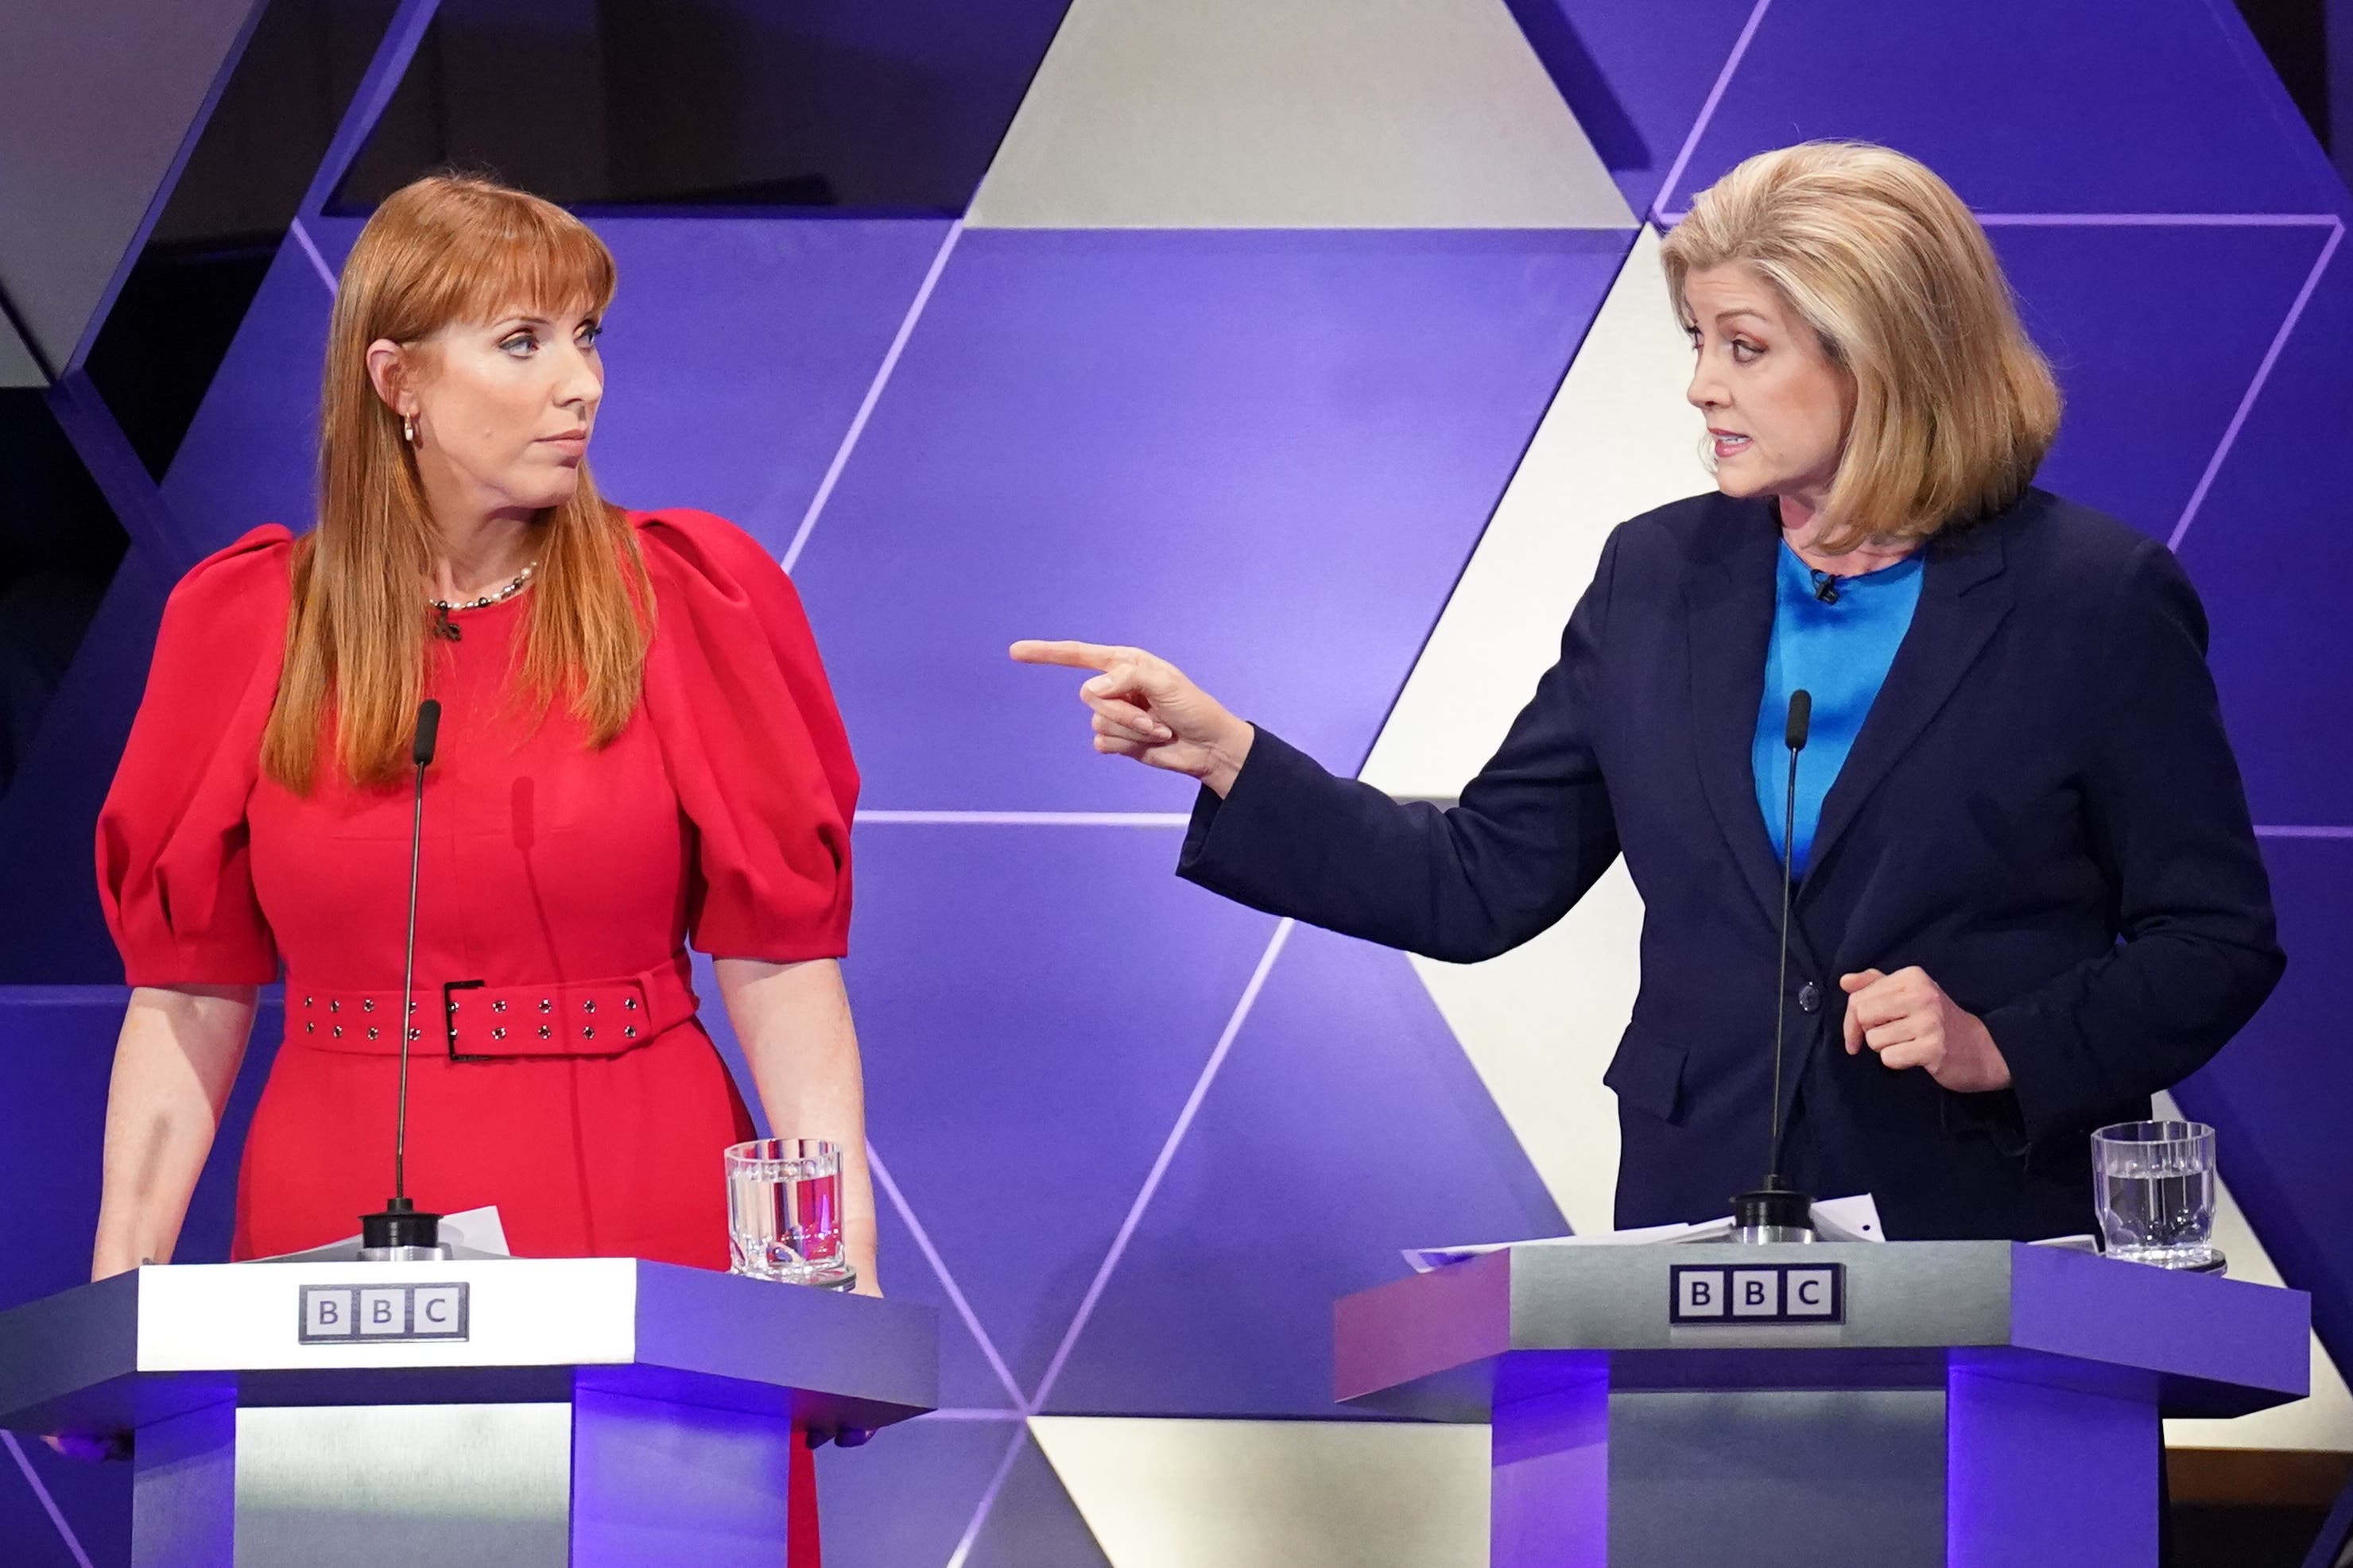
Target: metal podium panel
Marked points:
424	1486
1699	1478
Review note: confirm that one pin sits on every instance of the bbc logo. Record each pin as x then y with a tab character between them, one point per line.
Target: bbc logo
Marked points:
1763	1293
343	1314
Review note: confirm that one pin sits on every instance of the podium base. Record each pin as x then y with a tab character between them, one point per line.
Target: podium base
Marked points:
1968	1471
607	1479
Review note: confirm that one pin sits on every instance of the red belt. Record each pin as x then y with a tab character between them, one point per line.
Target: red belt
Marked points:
481	1022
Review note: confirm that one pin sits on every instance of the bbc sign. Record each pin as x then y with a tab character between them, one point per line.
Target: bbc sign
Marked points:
375	1314
1759	1294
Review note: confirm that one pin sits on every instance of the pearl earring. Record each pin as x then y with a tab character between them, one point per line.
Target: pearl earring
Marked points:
408	430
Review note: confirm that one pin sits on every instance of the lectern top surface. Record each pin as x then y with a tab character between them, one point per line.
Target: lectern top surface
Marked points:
1891	1315
164	1338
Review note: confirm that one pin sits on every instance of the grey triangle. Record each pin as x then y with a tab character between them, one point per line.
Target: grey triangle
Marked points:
1033	1523
98	100
1294	114
17	366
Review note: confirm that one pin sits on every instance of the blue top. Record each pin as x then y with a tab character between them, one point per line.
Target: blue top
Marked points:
1840	652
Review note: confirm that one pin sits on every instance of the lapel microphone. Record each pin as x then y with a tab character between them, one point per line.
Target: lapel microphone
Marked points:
1774	1213
402	1233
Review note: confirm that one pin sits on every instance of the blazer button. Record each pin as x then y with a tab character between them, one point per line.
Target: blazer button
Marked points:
1809	997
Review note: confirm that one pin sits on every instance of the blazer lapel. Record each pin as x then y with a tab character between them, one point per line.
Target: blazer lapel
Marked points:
1963	599
1728	603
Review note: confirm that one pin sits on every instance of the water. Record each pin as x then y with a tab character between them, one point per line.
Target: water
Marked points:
2166	1219
784	1214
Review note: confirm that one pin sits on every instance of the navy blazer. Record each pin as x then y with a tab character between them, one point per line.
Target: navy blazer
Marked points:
2041	811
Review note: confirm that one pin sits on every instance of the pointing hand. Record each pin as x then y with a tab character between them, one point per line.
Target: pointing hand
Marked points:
1145	708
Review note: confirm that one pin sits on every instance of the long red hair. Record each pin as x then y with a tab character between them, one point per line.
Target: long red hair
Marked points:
448	247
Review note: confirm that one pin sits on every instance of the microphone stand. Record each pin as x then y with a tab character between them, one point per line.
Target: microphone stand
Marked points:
402	1233
1773	1212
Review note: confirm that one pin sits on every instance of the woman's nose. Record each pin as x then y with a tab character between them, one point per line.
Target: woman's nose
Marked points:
581	384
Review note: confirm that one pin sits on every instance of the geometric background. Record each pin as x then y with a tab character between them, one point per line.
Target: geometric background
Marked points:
1313	344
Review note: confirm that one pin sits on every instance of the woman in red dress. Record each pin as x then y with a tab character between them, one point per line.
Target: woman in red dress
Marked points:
638	750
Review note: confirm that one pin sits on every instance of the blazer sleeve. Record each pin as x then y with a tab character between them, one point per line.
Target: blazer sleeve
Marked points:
174	867
1531	834
2197	951
757	751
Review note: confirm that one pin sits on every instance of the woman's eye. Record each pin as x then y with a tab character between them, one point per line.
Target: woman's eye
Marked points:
519	343
1743	352
590	332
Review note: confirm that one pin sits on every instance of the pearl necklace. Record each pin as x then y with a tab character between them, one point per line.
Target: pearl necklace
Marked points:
443	627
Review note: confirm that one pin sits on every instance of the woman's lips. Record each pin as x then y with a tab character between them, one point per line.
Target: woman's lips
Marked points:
1729	442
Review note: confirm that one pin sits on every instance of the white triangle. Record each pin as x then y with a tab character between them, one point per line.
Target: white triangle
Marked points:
1273	1494
1540	1024
1294	114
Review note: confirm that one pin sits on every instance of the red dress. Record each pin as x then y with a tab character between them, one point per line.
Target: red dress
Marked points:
571	1086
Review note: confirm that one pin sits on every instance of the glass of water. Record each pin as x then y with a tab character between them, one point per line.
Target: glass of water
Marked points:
2154	1184
784	1212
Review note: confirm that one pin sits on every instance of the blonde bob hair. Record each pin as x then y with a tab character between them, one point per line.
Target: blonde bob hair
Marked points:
1954	405
446	248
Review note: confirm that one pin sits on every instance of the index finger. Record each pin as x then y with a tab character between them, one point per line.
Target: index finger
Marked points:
1071	655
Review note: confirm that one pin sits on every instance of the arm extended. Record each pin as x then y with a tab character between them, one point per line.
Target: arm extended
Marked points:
1274	830
1532	833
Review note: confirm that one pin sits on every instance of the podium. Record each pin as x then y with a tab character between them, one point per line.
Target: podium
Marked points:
523	1412
1892	1403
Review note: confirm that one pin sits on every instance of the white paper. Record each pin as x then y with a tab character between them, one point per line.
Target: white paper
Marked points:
476	1233
2083	1243
1852	1218
1848	1219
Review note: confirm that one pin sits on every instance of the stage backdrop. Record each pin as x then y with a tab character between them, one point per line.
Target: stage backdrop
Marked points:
1314	344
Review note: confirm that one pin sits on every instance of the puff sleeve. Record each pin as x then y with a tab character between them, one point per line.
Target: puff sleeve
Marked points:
175	871
740	703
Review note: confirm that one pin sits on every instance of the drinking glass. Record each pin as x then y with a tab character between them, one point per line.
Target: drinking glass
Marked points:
784	1211
2153	1183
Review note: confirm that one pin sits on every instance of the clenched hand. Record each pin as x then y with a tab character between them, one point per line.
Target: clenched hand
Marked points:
1908	1018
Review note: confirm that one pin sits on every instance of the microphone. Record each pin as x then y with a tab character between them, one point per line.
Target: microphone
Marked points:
1825	588
1774	1213
402	1233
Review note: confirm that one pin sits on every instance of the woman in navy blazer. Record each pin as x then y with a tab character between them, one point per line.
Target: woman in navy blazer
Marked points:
2031	896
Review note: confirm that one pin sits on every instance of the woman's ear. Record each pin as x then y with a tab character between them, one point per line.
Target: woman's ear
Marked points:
387	368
